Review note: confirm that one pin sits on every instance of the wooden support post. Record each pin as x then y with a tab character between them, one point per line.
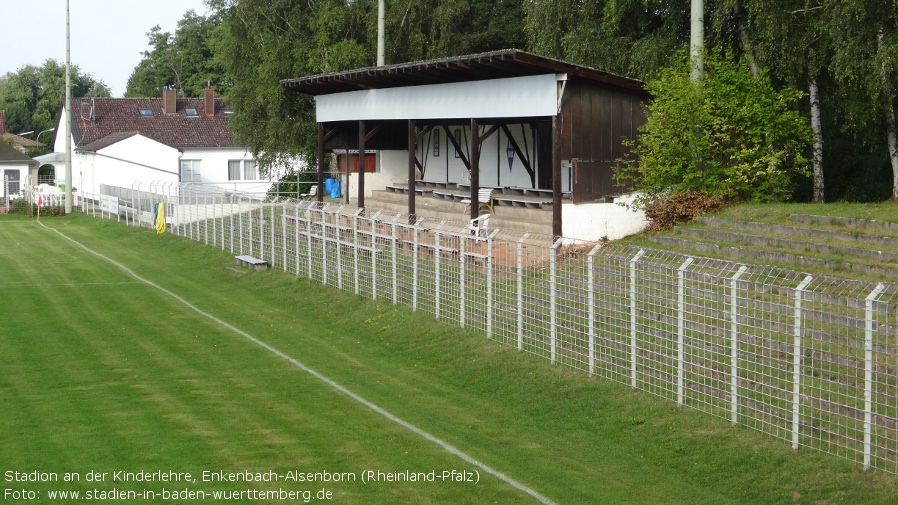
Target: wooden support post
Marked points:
361	165
557	124
319	195
412	162
475	168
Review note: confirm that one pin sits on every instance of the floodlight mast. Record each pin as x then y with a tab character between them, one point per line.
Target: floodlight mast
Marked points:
67	196
697	39
381	15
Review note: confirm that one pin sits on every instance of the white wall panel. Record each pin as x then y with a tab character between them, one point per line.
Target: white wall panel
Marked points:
513	97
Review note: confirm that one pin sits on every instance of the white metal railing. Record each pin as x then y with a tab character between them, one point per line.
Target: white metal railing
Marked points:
812	361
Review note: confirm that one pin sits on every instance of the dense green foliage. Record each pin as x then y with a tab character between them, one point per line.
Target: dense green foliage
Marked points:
729	135
840	52
184	61
33	95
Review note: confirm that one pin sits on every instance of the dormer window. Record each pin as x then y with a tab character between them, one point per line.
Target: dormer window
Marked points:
146	112
191	112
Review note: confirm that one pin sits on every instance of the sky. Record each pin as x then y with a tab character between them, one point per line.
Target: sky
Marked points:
107	36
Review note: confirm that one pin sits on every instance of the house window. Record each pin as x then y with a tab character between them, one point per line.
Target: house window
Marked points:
146	112
234	170
191	112
13	177
242	170
249	170
190	171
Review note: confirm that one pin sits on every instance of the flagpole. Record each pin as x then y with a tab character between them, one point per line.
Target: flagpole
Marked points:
68	115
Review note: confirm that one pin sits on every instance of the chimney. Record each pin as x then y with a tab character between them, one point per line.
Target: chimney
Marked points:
169	101
2	122
209	101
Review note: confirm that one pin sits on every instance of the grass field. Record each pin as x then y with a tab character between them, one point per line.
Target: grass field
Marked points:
102	371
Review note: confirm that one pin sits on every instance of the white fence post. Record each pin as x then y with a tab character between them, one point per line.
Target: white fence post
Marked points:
553	301
462	281
271	226
436	268
591	300
309	240
355	250
868	372
681	329
489	284
796	363
295	240
324	239
633	353
415	264
520	311
734	344
239	229
394	241
338	242
261	230
284	236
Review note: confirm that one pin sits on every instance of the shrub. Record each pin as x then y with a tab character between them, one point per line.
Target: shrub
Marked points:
666	211
730	134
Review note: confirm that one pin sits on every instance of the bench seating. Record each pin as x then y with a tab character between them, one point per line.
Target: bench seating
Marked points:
251	262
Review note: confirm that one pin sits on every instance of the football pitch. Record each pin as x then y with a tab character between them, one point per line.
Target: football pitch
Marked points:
139	368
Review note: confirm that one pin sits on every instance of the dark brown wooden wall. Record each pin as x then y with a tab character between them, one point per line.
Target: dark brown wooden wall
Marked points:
595	120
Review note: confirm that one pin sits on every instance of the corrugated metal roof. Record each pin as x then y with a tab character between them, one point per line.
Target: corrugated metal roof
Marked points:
492	65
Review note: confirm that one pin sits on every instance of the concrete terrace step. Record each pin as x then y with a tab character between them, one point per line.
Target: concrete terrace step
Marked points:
850	222
752	255
524	219
759	241
800	231
450	201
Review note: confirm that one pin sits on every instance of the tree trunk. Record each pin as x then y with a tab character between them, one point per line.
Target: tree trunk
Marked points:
818	137
890	121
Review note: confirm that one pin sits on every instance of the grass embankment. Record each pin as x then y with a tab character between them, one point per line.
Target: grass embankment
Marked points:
100	372
801	245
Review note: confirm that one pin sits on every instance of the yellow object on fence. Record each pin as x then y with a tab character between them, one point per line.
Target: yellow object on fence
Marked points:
159	211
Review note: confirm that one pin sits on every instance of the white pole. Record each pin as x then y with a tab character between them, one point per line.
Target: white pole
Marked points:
68	115
520	248
734	344
796	363
868	374
697	38
381	15
681	330
553	302
633	300
591	296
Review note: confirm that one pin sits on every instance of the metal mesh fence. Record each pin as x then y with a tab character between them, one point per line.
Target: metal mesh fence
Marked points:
811	361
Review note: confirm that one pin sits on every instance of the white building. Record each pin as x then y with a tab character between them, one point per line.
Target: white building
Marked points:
133	142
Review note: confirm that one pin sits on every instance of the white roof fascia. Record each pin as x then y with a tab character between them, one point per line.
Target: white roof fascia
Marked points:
530	96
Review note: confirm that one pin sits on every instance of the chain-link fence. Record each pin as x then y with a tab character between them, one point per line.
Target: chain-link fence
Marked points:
809	360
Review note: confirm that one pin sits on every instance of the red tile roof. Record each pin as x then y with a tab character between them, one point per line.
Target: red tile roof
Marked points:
95	119
18	140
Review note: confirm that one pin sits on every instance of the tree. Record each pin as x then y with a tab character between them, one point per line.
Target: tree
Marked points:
265	41
729	135
31	96
635	38
865	36
184	61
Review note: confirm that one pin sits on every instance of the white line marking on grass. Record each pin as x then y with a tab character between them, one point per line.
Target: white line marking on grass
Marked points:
405	424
